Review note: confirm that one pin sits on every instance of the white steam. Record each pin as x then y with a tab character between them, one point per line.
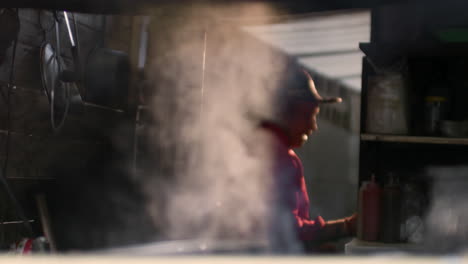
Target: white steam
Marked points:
447	216
210	86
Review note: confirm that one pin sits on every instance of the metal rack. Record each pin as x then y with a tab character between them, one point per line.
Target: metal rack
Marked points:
414	139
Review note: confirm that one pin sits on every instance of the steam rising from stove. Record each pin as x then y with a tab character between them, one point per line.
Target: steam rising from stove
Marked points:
210	84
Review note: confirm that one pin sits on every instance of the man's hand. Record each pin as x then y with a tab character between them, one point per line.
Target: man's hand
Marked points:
351	224
343	227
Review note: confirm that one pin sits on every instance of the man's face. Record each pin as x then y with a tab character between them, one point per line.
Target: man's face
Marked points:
302	123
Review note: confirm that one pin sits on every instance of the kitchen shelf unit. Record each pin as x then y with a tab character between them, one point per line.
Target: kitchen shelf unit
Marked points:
408	32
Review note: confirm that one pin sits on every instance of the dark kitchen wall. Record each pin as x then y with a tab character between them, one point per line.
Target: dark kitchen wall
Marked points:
29	148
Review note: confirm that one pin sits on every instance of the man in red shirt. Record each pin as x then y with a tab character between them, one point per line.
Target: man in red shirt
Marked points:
300	105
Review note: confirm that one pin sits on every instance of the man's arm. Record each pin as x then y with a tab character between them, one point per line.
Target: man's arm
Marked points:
320	230
339	228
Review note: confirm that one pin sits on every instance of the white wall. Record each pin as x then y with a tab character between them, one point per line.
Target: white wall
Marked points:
331	159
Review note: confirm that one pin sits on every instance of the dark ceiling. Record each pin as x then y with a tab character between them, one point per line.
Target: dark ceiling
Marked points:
134	6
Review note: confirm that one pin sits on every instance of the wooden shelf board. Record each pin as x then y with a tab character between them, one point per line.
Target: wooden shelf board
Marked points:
414	139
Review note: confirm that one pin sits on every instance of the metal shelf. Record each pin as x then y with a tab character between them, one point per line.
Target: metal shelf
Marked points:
387	52
414	139
357	246
17	222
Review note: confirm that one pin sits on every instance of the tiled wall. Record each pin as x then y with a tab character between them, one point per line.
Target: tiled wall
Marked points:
34	148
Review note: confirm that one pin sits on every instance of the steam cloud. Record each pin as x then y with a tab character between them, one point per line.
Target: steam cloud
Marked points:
210	84
447	215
